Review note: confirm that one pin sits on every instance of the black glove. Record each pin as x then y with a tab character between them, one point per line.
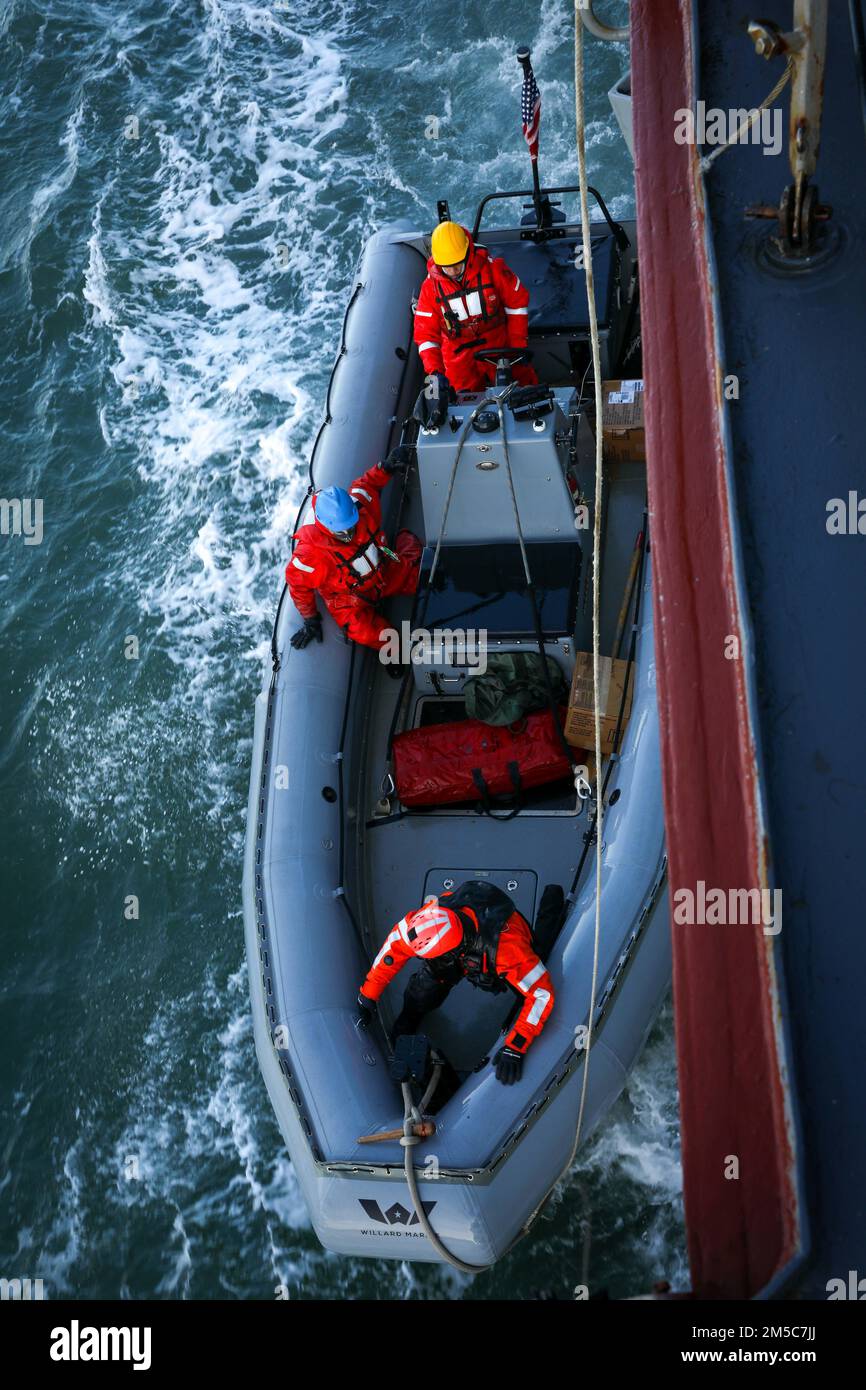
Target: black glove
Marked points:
365	1012
304	636
399	459
509	1065
436	391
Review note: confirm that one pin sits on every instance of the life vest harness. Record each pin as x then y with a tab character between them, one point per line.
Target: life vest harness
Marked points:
475	316
484	911
361	565
364	566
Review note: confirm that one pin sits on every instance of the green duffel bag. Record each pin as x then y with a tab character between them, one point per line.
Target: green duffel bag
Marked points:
512	685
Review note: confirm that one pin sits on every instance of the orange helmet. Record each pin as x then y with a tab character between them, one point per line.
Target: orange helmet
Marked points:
433	930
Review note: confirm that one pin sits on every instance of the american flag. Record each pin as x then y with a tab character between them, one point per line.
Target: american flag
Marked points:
530	110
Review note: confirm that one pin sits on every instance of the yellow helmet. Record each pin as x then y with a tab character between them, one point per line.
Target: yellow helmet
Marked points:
449	243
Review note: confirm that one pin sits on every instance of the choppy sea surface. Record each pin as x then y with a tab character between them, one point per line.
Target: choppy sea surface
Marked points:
162	377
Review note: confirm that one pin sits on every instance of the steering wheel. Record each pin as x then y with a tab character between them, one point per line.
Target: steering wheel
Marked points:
508	356
511	355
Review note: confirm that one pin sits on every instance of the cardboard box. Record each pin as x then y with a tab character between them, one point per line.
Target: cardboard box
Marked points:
622	424
580	720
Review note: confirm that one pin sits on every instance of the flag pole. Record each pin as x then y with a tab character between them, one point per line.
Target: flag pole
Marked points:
541	203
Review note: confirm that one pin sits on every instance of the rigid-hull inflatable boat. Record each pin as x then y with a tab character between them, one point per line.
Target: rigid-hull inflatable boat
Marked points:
333	860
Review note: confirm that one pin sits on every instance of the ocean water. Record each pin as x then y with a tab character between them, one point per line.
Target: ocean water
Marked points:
162	378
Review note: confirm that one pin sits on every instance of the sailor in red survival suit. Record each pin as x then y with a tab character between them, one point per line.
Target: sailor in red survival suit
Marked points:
344	556
470	300
473	933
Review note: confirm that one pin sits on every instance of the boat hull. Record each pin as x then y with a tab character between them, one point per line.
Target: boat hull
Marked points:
497	1151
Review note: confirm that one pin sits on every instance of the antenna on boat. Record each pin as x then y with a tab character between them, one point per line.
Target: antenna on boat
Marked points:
530	111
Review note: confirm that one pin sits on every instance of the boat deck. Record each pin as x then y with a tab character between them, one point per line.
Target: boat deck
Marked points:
402	860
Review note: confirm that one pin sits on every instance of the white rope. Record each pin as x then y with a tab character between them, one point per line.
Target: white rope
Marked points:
411	1113
596	566
408	1142
709	159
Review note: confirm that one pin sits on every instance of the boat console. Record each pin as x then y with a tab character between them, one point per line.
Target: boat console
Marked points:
480	509
471	512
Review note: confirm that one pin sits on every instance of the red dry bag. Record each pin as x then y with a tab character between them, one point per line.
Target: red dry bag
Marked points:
471	761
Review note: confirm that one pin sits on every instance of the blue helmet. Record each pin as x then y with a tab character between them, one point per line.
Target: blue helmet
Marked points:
336	510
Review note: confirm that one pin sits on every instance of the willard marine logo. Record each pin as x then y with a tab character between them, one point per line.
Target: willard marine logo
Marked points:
396	1215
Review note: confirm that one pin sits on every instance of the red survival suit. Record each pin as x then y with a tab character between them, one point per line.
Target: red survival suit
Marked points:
500	956
353	576
488	308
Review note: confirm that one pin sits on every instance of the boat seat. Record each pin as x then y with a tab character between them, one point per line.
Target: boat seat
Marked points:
441	677
559	331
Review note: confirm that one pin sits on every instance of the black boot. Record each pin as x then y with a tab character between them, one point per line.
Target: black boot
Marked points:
405	1022
427	989
549	920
